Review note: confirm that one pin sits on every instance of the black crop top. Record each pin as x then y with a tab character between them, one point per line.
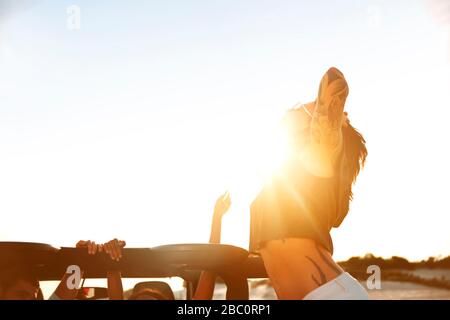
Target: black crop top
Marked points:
297	204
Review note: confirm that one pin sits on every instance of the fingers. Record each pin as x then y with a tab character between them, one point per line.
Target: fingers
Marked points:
114	249
81	244
226	196
92	247
223	203
226	200
107	248
115	254
89	246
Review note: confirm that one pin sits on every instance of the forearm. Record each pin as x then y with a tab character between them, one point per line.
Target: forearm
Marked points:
67	288
328	114
216	231
326	142
205	287
115	288
207	280
326	130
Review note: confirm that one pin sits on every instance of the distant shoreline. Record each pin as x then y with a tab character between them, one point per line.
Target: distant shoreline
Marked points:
401	270
397	262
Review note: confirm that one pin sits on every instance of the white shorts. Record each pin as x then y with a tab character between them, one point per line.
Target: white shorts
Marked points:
344	287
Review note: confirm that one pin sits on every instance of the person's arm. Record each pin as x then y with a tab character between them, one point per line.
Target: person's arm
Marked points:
115	287
113	248
328	119
207	281
64	291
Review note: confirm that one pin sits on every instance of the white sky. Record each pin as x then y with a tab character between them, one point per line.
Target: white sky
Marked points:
133	125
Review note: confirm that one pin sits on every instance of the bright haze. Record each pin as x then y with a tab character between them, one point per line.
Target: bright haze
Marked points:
130	119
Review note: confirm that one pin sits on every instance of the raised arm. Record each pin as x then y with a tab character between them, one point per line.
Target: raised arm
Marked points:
115	287
68	290
207	281
328	117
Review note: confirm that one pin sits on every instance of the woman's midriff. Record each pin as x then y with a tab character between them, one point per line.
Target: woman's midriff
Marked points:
297	266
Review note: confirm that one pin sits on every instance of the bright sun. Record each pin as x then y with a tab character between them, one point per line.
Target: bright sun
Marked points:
272	152
256	150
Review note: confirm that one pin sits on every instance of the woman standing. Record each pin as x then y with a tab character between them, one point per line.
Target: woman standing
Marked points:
294	213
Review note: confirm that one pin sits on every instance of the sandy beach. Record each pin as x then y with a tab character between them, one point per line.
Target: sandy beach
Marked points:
390	290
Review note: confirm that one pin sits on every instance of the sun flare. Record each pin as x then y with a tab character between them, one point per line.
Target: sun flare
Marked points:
272	152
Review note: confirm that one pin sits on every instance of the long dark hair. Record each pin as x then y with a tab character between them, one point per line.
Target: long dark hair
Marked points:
353	160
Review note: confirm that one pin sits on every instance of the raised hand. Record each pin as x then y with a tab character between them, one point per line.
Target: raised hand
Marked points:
205	287
223	203
114	248
91	246
328	115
